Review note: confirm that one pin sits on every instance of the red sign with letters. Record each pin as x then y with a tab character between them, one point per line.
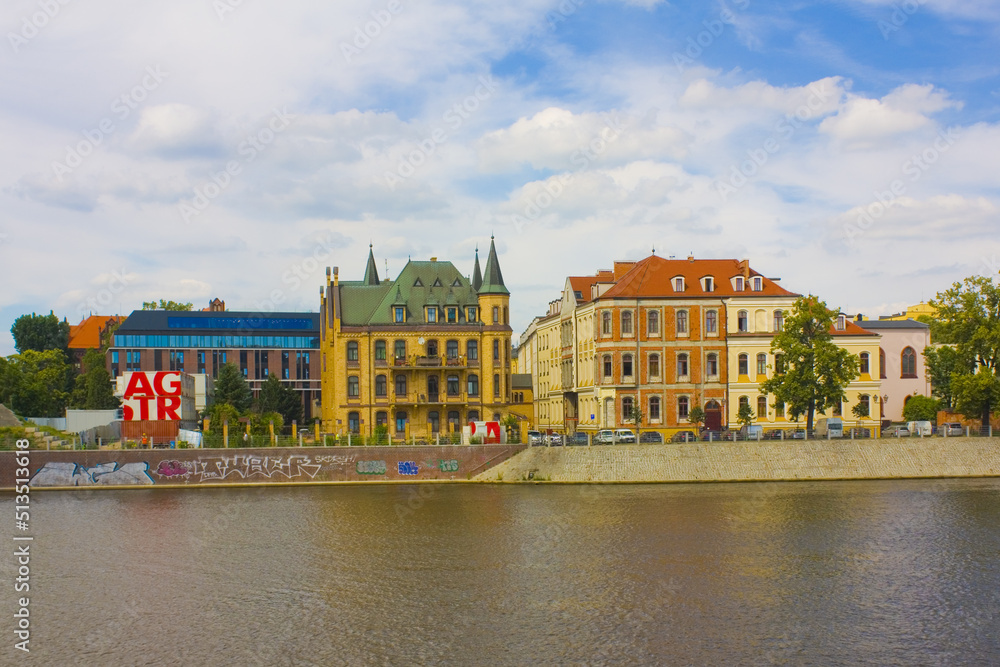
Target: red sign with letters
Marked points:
154	396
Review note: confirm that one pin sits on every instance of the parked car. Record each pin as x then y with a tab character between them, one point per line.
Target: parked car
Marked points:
798	434
651	437
605	437
895	432
684	436
535	438
712	435
624	435
920	428
555	439
950	429
578	438
775	434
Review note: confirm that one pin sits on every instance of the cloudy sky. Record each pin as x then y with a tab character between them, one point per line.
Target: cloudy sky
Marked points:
235	148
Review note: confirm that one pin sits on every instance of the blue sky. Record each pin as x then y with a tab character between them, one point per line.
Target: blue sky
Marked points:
215	148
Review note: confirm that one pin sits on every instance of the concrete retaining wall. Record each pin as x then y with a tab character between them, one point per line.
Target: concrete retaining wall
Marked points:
272	465
897	458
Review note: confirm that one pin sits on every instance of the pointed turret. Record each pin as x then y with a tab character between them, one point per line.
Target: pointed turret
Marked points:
477	275
371	273
492	278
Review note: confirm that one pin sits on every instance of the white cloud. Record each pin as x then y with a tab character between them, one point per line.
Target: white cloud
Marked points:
864	122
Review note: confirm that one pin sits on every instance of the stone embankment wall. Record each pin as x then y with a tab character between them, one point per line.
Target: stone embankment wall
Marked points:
272	465
755	461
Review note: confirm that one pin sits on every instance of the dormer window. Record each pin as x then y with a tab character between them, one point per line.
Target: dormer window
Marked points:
708	284
758	283
399	314
739	284
432	314
679	284
452	315
470	314
841	322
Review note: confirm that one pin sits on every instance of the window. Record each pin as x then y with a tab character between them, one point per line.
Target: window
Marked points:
201	361
352	351
381	388
654	408
741	320
176	360
496	314
863	401
354	422
654	365
881	363
607	366
400	386
400	349
496	349
761	364
709	284
652	322
380	350
779	320
381	418
627	407
711	365
472	350
762	407
682	364
841	322
744	401
452	315
739	284
678	284
353	390
908	363
432	314
682	407
744	363
711	321
399	314
401	421
779	364
758	283
627	365
432	348
779	409
496	387
473	415
864	365
606	322
473	385
451	349
682	321
626	322
452	385
453	421
470	314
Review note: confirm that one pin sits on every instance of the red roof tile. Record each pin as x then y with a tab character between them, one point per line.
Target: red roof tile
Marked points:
653	277
87	334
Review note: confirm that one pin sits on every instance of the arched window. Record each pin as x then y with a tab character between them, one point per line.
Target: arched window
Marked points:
711	364
400	386
434	420
451	349
762	364
908	363
627	407
432	348
400	349
682	364
473	415
865	402
353	390
472	350
496	349
473	385
864	363
606	322
744	400
627	365
401	421
654	408
654	365
682	321
762	407
381	418
779	320
452	386
453	421
881	363
607	366
496	387
380	350
354	422
352	350
741	320
626	322
653	322
744	364
711	321
381	387
683	405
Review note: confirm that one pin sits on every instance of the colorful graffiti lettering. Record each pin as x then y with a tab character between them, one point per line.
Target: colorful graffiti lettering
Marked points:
371	467
73	474
337	460
246	466
171	469
448	466
407	468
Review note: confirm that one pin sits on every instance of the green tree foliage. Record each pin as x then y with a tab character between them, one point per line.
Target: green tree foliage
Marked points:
969	319
276	396
223	412
921	408
860	410
33	384
696	416
816	370
93	389
943	362
745	416
260	423
231	387
40	333
166	305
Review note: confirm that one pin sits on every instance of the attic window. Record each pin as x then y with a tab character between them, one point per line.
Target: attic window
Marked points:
739	284
758	283
437	283
679	284
457	283
841	323
709	284
578	294
418	283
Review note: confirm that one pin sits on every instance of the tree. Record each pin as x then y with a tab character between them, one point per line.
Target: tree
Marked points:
816	370
921	408
860	410
943	362
260	423
696	416
36	383
231	387
166	305
93	389
969	319
40	333
745	416
276	396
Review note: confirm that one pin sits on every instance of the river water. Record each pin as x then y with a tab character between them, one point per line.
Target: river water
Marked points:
827	573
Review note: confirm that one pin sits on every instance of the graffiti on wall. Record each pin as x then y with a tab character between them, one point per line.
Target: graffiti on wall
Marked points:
407	468
371	467
73	474
240	466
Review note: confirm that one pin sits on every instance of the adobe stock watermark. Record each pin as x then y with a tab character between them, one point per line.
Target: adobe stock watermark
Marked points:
901	13
370	30
914	167
122	107
562	13
455	117
298	272
114	284
33	24
224	7
740	174
714	28
554	187
248	149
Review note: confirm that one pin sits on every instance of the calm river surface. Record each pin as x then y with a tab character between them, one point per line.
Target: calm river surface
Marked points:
830	573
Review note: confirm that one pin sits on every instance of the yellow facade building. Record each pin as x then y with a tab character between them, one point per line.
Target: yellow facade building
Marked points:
421	355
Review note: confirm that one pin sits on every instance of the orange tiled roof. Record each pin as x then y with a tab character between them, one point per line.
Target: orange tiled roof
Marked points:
582	284
851	329
653	277
87	334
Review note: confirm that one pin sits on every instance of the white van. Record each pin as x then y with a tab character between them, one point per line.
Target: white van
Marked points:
832	427
920	428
